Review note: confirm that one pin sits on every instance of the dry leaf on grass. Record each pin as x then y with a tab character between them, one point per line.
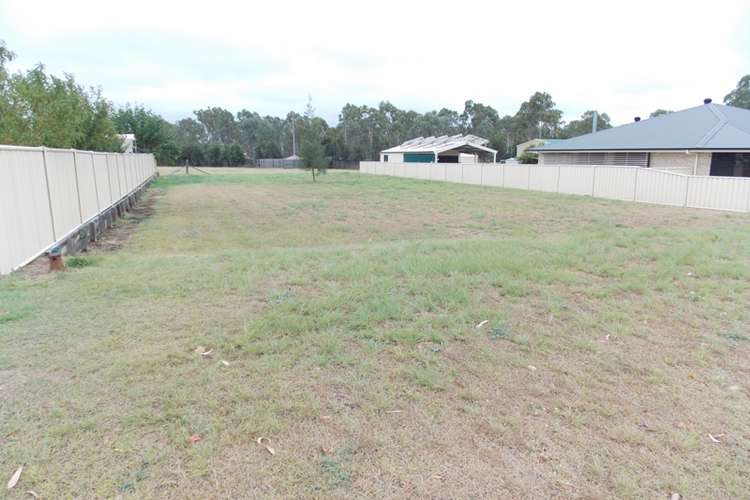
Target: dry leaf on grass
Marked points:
325	417
32	493
261	441
15	477
225	362
715	438
394	411
208	354
532	368
480	325
195	438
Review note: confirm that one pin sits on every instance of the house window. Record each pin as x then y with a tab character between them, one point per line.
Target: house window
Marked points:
619	159
385	157
730	164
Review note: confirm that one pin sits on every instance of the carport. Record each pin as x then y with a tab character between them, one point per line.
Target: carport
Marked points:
444	149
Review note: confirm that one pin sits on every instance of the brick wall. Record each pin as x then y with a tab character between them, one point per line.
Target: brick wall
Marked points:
681	163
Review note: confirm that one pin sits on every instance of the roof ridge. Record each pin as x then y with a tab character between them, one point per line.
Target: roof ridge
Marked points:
716	128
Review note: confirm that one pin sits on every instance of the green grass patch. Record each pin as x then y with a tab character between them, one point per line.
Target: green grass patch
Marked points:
346	311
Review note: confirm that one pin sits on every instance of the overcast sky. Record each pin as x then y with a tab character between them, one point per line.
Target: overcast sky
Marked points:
625	58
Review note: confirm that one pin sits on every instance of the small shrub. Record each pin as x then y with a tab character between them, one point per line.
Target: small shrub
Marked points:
78	261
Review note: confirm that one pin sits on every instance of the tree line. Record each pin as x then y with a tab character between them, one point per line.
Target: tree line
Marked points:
41	109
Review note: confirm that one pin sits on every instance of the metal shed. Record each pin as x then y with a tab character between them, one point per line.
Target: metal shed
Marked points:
443	149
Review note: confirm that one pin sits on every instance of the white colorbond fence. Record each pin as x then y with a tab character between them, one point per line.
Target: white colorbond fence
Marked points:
618	183
46	195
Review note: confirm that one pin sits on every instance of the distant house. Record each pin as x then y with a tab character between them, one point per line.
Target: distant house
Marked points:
711	139
443	149
127	143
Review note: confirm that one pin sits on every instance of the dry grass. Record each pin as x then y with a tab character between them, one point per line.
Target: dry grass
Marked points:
616	341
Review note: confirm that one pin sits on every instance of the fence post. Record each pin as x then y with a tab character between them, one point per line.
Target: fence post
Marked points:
78	190
559	173
503	176
49	196
481	174
687	190
635	184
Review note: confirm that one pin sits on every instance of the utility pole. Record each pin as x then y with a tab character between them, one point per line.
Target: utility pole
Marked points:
294	138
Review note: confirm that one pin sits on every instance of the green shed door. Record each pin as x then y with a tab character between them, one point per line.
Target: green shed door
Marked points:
419	157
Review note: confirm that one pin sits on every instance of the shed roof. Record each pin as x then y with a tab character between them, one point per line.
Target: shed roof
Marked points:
460	143
708	127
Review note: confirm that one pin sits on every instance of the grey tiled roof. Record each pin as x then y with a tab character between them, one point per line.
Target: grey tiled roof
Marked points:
709	126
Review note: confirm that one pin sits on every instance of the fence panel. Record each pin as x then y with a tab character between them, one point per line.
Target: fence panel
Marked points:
543	178
576	180
63	192
437	172
516	177
86	185
103	189
491	174
725	193
665	188
423	170
472	173
25	223
453	172
617	183
46	195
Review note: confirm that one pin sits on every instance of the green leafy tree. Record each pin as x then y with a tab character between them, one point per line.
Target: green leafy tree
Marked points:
528	158
537	118
190	131
234	155
38	109
6	56
585	124
659	112
219	124
215	155
99	128
192	154
153	134
740	96
311	147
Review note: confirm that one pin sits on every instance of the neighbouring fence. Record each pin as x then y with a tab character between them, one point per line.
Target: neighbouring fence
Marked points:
46	195
283	163
618	183
278	163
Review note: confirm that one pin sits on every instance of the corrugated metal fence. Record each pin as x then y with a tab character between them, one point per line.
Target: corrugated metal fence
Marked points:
618	183
48	194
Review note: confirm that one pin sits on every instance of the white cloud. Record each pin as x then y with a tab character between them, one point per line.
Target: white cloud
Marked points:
626	58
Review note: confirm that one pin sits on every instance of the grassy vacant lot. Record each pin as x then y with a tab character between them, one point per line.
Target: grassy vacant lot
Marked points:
612	360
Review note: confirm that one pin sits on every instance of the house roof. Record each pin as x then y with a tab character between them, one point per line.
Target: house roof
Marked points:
460	143
540	141
708	127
